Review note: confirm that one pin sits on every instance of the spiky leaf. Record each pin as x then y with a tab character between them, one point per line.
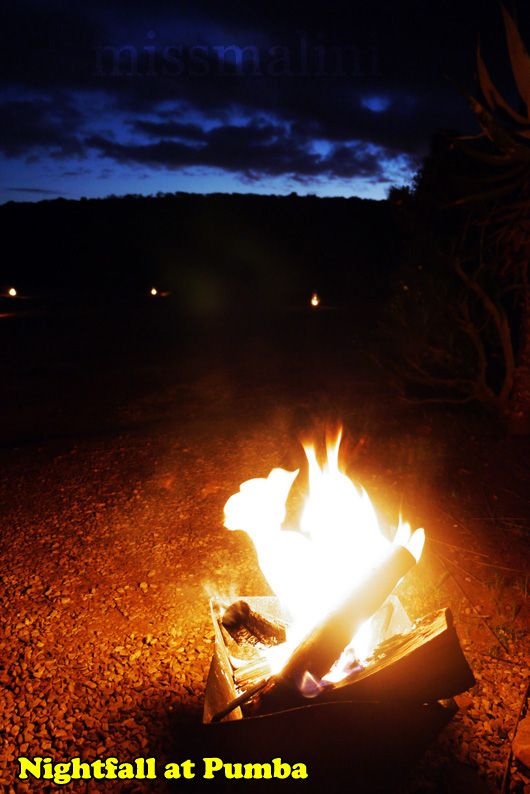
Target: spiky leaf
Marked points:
496	132
519	57
493	96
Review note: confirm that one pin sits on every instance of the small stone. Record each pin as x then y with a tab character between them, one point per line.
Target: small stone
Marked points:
521	742
464	701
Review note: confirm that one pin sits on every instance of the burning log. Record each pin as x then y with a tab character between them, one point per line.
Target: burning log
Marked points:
317	653
424	665
252	673
245	625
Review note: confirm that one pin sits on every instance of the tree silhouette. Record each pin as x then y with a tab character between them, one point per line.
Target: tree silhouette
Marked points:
462	303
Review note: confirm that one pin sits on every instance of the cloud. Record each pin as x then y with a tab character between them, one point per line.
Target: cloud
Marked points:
74	172
253	150
39	125
375	121
41	191
169	129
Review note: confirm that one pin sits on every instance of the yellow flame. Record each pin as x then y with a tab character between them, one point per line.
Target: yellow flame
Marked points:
12	292
154	291
339	542
315	300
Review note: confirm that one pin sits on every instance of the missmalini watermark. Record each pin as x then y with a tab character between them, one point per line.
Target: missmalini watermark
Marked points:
303	58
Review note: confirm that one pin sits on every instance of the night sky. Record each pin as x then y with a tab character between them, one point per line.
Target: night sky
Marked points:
340	98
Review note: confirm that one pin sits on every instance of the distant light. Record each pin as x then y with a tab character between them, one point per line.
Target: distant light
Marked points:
154	291
12	292
315	300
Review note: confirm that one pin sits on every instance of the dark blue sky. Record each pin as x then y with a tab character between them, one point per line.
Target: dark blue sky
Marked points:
336	99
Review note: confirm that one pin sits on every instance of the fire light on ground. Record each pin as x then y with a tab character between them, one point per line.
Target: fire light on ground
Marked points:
336	549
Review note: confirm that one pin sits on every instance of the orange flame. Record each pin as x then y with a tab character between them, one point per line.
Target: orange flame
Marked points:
338	544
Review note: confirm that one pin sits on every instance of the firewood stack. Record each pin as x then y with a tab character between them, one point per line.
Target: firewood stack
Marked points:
345	679
368	727
412	663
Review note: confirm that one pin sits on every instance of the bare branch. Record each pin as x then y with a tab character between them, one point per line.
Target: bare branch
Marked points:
501	323
441	400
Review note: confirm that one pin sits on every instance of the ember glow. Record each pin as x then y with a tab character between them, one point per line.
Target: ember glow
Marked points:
313	567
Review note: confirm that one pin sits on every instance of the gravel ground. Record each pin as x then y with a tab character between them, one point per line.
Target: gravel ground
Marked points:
110	548
109	551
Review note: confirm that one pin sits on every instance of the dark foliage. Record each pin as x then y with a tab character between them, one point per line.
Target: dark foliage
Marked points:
452	325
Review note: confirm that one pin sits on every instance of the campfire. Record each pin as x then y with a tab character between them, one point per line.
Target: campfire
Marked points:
335	632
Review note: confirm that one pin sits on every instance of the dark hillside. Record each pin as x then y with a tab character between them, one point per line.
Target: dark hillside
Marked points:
211	251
